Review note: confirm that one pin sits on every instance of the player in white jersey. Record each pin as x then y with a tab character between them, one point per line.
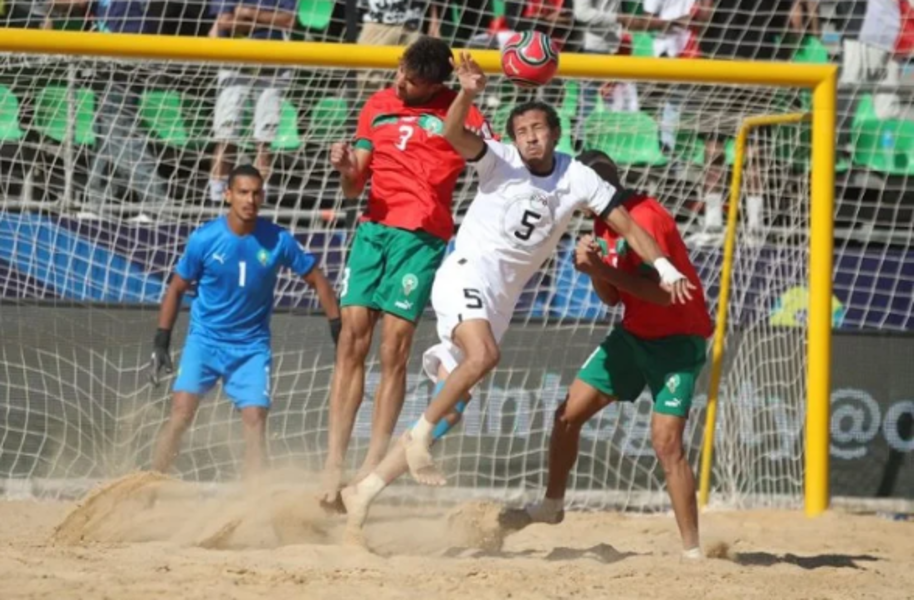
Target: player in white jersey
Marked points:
526	198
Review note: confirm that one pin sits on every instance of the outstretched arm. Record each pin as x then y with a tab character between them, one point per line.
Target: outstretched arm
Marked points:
472	83
646	247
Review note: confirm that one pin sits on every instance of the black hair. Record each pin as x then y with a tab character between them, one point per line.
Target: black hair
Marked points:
244	171
429	60
552	117
603	165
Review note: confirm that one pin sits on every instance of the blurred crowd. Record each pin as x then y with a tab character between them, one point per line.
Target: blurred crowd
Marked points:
871	39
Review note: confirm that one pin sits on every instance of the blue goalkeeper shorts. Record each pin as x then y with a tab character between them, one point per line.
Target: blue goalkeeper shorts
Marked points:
244	370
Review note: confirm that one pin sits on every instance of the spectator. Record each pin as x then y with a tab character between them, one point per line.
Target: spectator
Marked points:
265	87
123	146
870	57
745	30
392	23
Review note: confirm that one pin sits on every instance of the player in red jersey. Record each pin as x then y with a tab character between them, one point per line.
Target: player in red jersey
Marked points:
398	245
659	345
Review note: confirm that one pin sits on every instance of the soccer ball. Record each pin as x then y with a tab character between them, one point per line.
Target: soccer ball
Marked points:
529	59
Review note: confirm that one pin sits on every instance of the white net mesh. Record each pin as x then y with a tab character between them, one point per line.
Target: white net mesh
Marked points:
106	170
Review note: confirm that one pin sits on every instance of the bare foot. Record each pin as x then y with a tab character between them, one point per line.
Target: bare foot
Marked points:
421	465
356	507
329	496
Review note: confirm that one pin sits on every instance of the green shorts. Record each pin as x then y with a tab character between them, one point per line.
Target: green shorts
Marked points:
623	364
391	269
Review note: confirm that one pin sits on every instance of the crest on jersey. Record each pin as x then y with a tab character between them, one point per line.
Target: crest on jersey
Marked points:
262	256
672	383
432	124
410	282
621	247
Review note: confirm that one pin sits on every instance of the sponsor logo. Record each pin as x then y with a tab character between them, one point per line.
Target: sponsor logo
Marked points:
404	304
219	258
673	403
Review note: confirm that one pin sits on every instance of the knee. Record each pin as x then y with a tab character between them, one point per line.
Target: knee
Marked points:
667	444
563	422
395	352
483	359
181	416
354	342
254	418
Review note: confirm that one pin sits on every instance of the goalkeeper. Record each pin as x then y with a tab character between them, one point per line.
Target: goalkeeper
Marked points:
234	260
659	345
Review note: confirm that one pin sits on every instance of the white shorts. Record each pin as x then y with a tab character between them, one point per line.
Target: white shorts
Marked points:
460	293
235	89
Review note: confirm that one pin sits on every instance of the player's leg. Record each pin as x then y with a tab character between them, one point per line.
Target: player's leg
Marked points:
608	374
183	408
359	496
359	314
481	354
248	381
197	373
671	367
412	261
396	342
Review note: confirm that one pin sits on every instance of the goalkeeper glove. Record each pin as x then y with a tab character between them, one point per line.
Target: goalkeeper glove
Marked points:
336	325
160	356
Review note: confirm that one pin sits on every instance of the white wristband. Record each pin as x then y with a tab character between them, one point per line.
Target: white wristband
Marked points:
668	273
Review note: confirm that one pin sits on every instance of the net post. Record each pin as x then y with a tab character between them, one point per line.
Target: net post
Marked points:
720	328
821	246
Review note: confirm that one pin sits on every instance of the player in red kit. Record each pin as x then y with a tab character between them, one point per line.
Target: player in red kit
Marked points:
659	345
398	245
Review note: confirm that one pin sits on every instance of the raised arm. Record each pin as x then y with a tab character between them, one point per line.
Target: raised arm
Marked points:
472	83
646	247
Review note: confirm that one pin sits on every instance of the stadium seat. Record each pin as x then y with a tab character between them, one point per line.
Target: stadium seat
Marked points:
9	116
812	51
882	145
315	14
642	44
631	138
328	120
51	114
287	137
163	114
690	148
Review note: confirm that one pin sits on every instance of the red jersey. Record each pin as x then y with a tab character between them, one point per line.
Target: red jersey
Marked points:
645	319
413	168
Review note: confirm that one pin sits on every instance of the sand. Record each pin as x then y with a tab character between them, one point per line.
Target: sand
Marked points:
148	536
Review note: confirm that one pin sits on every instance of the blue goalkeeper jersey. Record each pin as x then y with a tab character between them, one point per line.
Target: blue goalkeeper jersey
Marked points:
236	278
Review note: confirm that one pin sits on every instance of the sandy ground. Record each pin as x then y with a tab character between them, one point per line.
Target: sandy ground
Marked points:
148	537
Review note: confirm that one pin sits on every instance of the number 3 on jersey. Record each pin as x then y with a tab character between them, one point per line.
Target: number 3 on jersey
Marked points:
406	132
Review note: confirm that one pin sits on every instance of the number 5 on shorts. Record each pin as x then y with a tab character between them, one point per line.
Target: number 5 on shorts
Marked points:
474	298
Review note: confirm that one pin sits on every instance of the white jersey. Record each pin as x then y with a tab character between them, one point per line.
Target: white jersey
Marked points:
517	218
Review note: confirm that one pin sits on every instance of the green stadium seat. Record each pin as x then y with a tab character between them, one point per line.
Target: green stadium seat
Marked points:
690	148
642	44
9	116
882	145
812	51
328	120
163	114
315	14
630	138
51	114
287	137
498	8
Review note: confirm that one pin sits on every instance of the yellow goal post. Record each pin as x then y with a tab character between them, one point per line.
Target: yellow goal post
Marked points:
820	79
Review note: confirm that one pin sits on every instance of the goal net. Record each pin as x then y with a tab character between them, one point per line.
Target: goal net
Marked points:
107	165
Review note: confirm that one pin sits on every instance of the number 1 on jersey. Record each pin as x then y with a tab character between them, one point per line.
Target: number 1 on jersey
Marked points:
242	273
406	132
